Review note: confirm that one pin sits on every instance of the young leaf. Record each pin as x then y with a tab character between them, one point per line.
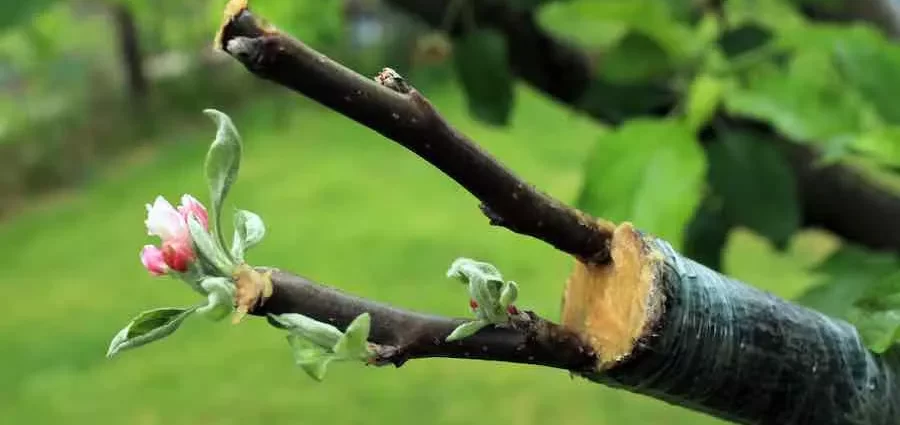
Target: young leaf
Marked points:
319	333
649	172
220	298
481	65
310	357
249	230
484	286
509	294
208	253
147	327
222	163
466	330
755	183
354	343
466	269
316	368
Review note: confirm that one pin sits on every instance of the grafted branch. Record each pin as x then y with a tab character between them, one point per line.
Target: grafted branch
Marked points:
410	120
405	335
637	315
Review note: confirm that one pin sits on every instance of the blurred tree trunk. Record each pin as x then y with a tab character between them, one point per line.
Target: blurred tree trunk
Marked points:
130	51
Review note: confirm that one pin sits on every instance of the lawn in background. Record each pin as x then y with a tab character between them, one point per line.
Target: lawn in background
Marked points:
343	206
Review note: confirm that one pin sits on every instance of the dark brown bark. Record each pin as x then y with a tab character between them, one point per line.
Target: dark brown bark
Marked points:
410	120
405	335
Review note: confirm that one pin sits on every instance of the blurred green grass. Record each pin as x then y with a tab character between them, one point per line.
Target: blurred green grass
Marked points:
344	207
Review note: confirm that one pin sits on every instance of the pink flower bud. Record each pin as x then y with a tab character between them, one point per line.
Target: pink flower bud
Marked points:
190	205
164	221
153	261
178	254
171	225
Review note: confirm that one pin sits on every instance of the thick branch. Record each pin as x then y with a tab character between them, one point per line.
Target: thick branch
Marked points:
406	335
565	73
652	321
410	120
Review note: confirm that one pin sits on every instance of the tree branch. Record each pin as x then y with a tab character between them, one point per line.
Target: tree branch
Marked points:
564	72
646	319
404	335
410	120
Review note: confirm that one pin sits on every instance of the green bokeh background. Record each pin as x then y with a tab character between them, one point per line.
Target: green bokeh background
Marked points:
343	206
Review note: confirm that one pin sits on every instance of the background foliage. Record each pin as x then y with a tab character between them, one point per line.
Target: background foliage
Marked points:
346	208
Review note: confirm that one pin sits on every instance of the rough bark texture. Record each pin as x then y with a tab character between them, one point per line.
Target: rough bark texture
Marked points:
741	354
564	72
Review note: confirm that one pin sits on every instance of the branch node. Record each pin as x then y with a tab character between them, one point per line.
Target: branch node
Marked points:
393	80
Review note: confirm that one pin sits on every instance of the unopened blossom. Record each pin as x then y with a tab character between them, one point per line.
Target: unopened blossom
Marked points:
190	205
152	259
171	226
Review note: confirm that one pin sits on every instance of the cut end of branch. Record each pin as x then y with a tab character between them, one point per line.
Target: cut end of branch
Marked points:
252	290
612	306
235	10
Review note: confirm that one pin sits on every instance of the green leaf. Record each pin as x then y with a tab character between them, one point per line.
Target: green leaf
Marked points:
466	330
319	333
310	357
598	23
755	183
480	59
862	287
249	230
870	63
850	275
882	146
878	329
220	298
703	98
509	294
222	163
147	327
778	15
649	172
209	254
636	58
808	103
354	343
485	285
707	234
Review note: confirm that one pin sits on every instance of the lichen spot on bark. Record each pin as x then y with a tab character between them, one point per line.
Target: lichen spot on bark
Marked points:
612	306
